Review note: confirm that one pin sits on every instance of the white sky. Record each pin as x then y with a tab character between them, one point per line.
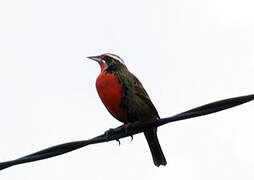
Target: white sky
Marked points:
186	54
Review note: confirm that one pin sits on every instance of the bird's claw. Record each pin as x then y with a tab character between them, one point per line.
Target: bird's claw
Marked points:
118	141
126	130
131	137
108	133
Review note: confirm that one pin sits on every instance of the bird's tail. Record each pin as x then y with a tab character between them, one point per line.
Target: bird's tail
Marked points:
155	148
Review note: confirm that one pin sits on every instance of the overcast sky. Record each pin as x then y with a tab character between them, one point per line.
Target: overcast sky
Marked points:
186	54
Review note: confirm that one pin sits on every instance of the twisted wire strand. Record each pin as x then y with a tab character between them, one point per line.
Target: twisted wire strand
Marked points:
133	128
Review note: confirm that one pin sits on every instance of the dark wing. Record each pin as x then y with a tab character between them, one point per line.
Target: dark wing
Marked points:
136	101
142	94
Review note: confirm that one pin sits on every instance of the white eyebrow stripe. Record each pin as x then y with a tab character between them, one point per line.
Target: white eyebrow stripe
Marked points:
116	57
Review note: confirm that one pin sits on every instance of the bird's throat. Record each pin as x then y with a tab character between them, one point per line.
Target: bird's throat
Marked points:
103	66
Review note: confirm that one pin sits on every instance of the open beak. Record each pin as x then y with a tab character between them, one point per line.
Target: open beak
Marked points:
95	58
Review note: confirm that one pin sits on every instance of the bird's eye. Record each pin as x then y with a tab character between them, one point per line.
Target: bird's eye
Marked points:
107	59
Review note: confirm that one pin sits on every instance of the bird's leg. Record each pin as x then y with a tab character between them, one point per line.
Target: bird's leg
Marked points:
110	131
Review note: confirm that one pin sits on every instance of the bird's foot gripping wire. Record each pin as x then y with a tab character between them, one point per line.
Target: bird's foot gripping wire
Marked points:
126	129
108	133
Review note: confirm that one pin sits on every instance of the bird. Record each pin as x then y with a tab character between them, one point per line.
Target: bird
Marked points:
126	99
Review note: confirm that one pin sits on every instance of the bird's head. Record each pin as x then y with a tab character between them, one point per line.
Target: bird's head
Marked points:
109	62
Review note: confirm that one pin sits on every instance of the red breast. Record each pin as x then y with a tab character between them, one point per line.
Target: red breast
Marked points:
110	92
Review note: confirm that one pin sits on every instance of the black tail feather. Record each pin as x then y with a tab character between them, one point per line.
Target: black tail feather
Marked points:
155	148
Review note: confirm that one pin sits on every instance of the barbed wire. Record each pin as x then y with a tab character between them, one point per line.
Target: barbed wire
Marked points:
128	130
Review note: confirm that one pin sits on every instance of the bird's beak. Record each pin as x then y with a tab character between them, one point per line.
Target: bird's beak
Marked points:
95	58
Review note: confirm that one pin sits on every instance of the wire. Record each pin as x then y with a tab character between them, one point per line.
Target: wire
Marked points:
132	129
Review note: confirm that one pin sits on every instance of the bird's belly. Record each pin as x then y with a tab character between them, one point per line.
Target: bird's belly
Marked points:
110	92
